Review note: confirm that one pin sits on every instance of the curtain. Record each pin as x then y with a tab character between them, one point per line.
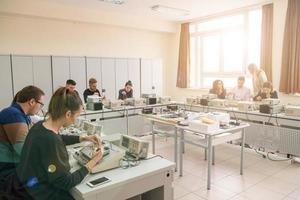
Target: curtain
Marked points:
290	66
266	40
183	72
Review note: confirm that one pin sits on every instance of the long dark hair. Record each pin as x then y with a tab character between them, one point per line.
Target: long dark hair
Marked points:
215	85
62	101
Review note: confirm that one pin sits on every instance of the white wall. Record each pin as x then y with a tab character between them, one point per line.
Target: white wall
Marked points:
39	36
280	7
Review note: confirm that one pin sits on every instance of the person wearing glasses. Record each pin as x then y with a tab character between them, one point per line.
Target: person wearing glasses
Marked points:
15	123
44	168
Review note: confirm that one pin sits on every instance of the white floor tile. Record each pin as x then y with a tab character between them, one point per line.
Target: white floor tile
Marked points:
215	193
190	196
277	185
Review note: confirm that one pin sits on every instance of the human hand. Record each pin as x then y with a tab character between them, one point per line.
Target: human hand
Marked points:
92	138
97	156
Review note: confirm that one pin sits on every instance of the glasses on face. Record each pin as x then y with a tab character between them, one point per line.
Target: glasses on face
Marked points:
42	104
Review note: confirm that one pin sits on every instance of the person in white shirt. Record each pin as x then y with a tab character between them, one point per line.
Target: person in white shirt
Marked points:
258	77
241	92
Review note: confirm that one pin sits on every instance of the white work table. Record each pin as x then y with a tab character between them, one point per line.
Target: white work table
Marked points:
152	178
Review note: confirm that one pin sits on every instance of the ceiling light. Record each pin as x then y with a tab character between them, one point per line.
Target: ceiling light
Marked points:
170	11
118	2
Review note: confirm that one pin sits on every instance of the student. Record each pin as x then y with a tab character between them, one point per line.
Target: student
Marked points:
258	77
240	92
71	86
126	92
266	92
14	126
44	169
92	90
218	89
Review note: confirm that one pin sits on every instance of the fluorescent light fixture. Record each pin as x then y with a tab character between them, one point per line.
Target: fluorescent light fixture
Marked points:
118	2
170	11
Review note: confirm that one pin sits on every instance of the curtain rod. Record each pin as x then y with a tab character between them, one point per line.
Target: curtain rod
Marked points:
227	12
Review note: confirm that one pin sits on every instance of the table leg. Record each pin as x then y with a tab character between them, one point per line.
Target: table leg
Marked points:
242	152
183	144
153	137
175	148
180	153
213	155
209	161
205	150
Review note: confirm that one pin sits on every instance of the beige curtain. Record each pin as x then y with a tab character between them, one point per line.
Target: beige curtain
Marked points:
183	72
290	67
266	40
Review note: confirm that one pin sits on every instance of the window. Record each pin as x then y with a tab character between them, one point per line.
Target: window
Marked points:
221	48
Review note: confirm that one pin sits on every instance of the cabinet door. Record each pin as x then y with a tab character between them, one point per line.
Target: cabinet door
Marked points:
78	73
157	72
146	76
134	74
5	82
93	70
60	71
108	77
22	72
42	75
121	74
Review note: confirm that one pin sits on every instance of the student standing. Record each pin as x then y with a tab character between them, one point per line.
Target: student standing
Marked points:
258	77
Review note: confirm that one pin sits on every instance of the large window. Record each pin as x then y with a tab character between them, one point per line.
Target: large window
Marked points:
221	48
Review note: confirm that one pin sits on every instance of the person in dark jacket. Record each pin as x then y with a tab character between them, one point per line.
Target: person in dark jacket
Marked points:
44	169
126	92
92	90
266	92
218	89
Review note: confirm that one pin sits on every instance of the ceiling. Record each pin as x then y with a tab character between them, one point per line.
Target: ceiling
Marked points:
141	8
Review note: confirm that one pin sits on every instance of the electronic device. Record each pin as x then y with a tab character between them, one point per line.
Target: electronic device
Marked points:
94	106
172	107
110	160
136	148
246	106
148	95
129	101
217	103
151	100
222	118
147	110
116	104
165	100
203	102
209	96
98	181
92	128
72	131
292	110
270	109
204	124
231	102
191	100
139	102
270	101
106	102
93	99
79	122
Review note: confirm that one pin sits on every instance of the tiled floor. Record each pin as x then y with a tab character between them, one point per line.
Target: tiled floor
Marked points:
263	179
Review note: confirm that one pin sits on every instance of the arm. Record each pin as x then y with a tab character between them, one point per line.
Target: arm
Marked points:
130	95
85	96
70	139
262	77
120	95
274	95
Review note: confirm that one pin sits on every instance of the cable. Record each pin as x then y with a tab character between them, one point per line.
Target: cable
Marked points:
153	157
272	159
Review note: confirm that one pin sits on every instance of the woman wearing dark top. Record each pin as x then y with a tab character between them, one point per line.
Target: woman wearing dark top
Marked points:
92	90
218	89
126	92
266	92
44	167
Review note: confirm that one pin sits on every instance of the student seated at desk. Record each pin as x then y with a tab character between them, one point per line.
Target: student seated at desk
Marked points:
92	90
15	123
71	86
126	92
44	169
240	92
218	89
266	92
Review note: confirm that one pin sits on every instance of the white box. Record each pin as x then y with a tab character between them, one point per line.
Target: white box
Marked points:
203	127
222	118
292	110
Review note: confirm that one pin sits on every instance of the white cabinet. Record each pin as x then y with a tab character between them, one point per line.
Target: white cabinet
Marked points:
22	72
121	74
151	76
42	76
60	71
5	82
93	70
78	73
134	74
109	77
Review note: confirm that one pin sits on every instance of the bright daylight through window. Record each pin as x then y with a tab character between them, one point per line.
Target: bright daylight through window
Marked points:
222	47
